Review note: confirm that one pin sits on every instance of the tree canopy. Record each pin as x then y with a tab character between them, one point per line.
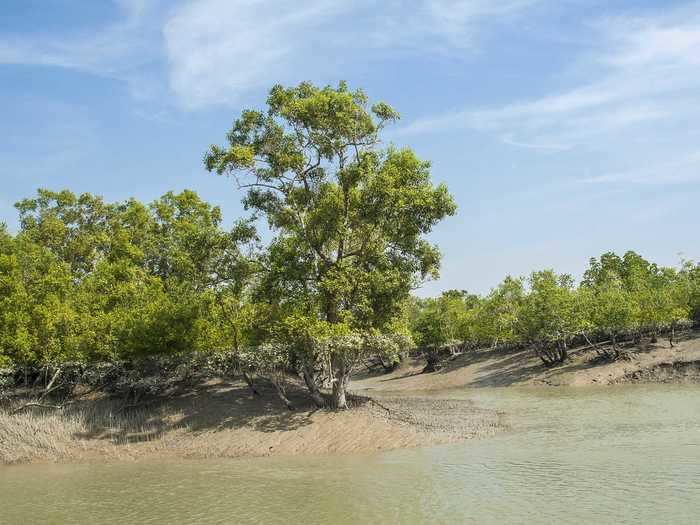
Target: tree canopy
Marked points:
85	280
349	216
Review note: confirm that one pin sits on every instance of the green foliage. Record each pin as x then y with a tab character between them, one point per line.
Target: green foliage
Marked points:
689	288
550	312
348	216
498	316
37	322
629	294
446	320
618	297
88	281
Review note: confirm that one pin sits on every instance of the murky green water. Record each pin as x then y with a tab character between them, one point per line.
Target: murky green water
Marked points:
601	455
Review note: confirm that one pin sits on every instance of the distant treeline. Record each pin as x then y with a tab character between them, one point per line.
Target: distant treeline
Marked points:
619	297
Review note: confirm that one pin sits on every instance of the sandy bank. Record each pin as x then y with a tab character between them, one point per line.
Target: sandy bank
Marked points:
223	420
489	368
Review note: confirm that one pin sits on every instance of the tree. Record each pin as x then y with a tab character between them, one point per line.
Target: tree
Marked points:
73	228
655	297
549	316
673	301
88	280
348	216
497	317
612	310
442	322
689	281
37	321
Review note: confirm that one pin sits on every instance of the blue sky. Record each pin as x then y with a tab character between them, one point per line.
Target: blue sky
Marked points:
563	128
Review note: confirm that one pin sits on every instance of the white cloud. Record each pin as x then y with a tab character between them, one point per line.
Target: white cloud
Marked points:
643	104
216	51
677	171
220	50
667	38
454	19
119	50
508	139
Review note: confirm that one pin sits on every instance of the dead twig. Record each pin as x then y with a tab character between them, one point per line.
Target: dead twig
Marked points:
36	405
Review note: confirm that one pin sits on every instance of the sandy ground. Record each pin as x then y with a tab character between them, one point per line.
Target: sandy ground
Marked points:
228	422
488	368
222	419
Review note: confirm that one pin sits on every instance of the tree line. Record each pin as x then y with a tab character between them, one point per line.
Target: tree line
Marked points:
88	281
619	297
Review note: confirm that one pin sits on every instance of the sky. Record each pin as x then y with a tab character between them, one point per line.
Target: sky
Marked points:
563	128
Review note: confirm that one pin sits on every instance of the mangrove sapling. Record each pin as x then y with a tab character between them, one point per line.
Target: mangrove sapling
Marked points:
438	325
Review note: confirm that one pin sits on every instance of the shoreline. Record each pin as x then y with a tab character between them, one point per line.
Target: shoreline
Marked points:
203	428
494	368
222	419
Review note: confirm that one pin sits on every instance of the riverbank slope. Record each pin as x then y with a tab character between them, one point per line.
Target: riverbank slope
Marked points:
222	419
497	368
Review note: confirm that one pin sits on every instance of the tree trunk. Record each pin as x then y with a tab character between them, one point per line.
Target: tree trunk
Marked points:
672	335
310	380
544	354
432	363
562	351
340	386
616	352
282	394
251	385
49	387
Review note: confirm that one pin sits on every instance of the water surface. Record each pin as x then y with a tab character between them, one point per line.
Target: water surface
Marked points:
628	454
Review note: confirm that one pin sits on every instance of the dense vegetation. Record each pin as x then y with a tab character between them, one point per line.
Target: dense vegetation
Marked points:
89	281
85	282
619	298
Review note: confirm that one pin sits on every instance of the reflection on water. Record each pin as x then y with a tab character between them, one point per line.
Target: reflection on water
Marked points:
601	455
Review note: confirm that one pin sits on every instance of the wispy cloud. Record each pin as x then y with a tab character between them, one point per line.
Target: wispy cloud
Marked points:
647	90
677	171
217	51
220	50
118	50
508	139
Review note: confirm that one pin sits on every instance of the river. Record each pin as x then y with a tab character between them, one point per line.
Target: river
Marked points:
624	454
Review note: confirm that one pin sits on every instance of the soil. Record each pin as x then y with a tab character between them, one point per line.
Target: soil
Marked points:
221	419
495	368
